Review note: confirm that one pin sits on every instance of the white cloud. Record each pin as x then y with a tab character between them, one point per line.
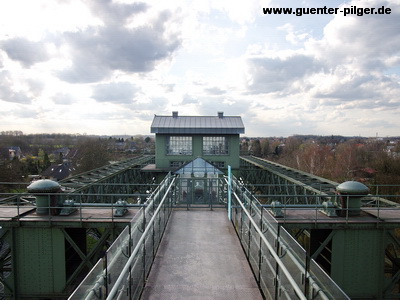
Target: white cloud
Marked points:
132	59
362	43
115	92
294	36
11	92
63	99
25	51
98	51
268	75
36	19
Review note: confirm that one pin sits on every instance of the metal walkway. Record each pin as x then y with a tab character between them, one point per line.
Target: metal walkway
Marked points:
277	233
235	253
200	257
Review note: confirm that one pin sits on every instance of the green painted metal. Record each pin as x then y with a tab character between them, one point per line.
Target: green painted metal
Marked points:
127	262
112	179
281	266
199	185
42	189
354	254
163	160
39	262
357	263
203	192
350	194
275	180
47	261
109	179
229	193
43	257
352	188
114	173
361	256
43	186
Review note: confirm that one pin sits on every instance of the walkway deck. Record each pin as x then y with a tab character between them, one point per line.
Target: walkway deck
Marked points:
200	257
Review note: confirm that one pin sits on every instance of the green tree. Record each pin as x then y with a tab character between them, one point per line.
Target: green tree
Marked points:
43	160
30	165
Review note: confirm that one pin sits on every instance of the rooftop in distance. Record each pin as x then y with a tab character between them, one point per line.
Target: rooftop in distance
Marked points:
218	124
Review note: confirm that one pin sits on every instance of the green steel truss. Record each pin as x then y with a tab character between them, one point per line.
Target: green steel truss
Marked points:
123	177
327	243
338	247
69	248
270	181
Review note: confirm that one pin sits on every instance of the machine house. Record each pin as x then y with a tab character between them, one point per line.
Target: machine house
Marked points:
181	139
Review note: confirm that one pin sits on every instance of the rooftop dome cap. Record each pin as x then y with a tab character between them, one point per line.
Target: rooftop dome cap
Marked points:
352	188
43	186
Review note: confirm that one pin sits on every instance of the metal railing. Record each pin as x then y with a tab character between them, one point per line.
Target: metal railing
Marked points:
123	271
281	266
24	208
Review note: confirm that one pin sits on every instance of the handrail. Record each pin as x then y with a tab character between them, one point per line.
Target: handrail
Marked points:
249	200
272	251
99	279
126	268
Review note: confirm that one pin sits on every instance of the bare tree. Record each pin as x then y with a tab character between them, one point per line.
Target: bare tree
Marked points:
92	153
256	147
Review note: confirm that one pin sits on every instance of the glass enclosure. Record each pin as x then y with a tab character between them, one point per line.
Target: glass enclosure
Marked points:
199	185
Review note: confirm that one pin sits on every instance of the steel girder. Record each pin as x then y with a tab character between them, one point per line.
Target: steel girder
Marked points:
120	178
84	258
272	182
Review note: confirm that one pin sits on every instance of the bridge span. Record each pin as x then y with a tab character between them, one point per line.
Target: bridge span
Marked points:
188	249
266	232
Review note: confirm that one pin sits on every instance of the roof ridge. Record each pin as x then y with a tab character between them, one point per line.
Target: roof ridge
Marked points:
168	116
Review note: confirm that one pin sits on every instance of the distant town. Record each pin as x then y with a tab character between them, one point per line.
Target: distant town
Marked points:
26	157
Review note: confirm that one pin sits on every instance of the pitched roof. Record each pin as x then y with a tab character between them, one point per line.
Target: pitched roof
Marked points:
198	165
197	124
58	171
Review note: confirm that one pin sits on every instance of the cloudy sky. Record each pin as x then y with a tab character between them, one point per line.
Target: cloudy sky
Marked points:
106	67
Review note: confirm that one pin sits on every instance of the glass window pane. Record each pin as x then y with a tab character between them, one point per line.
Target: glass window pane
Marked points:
215	145
179	145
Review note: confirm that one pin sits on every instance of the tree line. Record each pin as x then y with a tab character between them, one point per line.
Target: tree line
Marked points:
83	153
372	161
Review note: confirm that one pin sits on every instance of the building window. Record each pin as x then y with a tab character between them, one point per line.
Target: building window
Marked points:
219	164
175	164
215	145
179	145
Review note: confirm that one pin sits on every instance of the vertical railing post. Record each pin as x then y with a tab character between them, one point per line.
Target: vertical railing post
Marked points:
106	274
144	242
209	194
229	193
260	243
130	244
